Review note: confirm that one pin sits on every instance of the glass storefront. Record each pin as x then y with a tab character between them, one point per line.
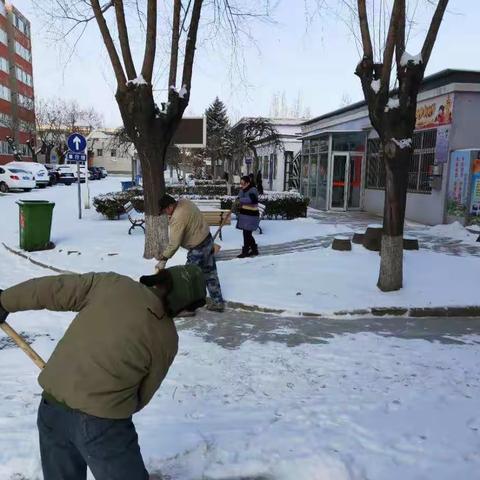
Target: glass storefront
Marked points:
332	179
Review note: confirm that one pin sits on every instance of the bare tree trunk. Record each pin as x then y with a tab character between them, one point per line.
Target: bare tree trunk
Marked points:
396	179
156	225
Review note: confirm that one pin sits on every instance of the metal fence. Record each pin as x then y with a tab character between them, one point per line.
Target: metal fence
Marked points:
420	168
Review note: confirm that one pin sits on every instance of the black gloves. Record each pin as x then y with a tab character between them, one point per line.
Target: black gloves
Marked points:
3	312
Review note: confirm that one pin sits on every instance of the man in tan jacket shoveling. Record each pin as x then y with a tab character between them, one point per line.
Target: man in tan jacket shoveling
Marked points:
189	229
108	365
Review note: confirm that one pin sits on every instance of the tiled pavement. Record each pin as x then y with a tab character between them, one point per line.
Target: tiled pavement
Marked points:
358	221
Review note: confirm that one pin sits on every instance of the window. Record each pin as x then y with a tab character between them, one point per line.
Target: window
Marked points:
3	36
421	163
23	76
99	152
21	24
4	65
273	163
25	102
5	93
23	52
375	176
4	148
26	127
113	153
5	120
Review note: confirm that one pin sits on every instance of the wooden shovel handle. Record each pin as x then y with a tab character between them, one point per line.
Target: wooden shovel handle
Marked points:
222	223
20	341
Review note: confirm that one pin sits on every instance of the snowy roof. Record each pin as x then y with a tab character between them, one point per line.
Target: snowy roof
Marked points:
274	121
439	79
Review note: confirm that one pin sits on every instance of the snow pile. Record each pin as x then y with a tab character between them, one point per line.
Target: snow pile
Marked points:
392	104
137	81
403	142
454	230
376	85
407	58
183	91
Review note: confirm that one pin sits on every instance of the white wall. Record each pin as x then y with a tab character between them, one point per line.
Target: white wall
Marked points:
422	208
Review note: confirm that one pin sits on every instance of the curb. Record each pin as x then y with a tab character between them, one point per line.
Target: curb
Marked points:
35	262
414	312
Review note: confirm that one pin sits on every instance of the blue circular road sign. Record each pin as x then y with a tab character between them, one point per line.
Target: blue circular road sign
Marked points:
76	143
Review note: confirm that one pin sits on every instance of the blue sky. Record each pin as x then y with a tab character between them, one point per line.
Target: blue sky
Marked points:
316	61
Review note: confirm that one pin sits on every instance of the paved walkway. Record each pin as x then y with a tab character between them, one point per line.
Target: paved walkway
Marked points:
359	221
234	327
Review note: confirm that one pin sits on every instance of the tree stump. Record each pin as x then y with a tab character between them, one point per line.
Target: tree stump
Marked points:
410	243
358	237
372	239
341	243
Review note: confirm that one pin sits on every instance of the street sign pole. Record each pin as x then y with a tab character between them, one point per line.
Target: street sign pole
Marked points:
79	192
87	185
77	145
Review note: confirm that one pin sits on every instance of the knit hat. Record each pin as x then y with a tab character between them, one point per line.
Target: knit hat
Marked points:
188	290
165	201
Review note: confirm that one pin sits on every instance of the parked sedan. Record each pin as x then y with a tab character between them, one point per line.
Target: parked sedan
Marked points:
66	174
53	174
104	172
38	170
95	173
15	179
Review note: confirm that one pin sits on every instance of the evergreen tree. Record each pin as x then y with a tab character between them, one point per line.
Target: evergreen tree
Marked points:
219	143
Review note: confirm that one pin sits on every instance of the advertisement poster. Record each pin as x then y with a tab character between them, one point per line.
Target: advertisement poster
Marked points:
458	183
441	148
435	112
475	189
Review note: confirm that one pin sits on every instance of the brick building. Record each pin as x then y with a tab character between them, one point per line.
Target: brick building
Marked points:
17	112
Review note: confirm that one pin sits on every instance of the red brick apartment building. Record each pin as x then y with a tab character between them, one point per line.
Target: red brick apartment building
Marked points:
17	112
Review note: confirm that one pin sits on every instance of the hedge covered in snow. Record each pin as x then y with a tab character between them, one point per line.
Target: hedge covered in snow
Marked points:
277	205
284	205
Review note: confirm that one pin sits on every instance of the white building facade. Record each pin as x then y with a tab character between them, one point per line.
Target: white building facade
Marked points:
276	159
105	150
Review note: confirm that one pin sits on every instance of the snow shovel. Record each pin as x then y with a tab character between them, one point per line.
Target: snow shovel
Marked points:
216	246
20	341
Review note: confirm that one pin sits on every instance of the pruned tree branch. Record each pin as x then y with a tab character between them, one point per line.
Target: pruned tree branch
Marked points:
109	45
365	30
433	30
172	77
190	47
124	41
151	41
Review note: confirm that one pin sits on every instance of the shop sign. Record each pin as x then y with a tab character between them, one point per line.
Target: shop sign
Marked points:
459	183
441	147
435	112
475	188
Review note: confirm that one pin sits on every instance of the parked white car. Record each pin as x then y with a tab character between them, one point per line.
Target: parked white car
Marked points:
12	178
38	170
83	171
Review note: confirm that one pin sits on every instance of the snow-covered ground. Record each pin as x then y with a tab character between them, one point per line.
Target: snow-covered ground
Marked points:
317	281
359	406
95	243
456	231
325	281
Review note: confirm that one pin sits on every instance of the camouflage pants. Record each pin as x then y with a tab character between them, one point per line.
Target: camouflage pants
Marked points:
202	255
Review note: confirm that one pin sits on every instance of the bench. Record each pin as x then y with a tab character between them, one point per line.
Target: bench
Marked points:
210	204
214	218
136	218
261	211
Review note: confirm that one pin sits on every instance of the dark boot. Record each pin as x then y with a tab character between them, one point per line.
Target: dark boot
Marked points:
254	250
244	253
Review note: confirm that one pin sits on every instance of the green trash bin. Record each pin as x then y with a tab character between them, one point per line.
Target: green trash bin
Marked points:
35	223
